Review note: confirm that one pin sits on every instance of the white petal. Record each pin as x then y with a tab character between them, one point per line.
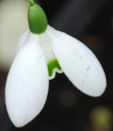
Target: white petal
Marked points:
22	40
78	63
27	84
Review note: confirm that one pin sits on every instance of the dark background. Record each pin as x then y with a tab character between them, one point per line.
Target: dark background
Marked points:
68	109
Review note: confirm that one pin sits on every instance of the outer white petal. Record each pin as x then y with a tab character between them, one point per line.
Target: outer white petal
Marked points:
27	84
22	40
78	63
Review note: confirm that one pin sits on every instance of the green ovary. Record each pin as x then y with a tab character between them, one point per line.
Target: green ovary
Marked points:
52	65
36	18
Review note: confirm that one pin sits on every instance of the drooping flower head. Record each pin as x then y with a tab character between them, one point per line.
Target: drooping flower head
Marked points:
41	52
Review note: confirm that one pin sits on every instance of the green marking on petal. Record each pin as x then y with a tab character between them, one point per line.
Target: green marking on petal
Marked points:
52	65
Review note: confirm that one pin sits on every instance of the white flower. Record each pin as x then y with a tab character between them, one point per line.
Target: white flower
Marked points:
39	57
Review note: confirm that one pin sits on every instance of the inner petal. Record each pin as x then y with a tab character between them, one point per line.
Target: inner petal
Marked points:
51	60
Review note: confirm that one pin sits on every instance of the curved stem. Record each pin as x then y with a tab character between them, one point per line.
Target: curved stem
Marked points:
31	2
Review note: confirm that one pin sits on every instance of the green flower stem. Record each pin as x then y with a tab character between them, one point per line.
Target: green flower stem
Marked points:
31	2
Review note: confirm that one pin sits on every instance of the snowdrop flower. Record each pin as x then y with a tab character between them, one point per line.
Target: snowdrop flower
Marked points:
42	51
